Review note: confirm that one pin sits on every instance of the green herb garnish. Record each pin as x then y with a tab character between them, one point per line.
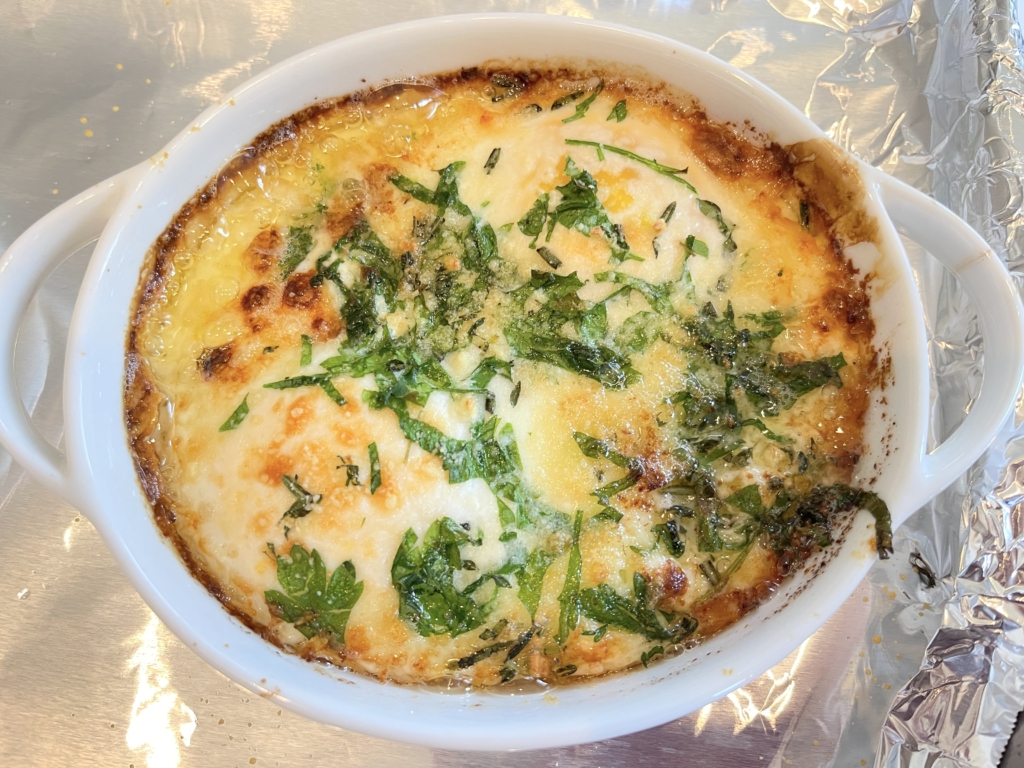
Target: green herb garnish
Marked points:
322	380
306	356
237	417
693	246
424	578
549	258
304	500
618	112
579	208
647	656
299	243
583	106
567	99
610	514
605	606
654	165
374	468
531	578
314	604
569	599
492	160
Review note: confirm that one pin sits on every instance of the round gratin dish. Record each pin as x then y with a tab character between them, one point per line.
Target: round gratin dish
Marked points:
131	210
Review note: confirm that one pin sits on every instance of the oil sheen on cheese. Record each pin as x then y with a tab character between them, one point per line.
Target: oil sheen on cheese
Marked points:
608	425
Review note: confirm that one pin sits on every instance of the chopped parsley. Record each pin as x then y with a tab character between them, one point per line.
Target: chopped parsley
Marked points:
424	578
317	605
654	165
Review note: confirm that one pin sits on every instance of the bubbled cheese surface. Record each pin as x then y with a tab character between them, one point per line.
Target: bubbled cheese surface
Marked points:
221	322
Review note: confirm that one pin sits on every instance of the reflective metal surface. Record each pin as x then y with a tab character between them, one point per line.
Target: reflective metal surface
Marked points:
89	677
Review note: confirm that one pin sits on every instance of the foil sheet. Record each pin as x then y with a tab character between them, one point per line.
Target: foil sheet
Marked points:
960	708
927	91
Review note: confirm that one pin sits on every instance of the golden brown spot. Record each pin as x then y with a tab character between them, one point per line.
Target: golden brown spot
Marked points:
669	584
264	250
298	293
325	328
273	466
300	414
213	361
380	191
357	639
256	297
343	216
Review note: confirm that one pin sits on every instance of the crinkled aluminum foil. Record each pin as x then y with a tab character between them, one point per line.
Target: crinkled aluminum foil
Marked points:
960	708
927	91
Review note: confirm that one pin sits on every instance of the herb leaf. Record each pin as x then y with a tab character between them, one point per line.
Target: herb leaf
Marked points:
567	99
583	106
322	380
712	211
549	258
579	208
424	578
374	468
532	223
608	513
488	368
531	578
654	165
569	599
492	160
306	356
668	533
304	500
314	604
656	295
695	246
488	650
605	606
540	336
237	417
618	112
297	247
593	448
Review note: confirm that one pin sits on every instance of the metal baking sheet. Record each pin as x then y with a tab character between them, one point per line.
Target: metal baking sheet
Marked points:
88	675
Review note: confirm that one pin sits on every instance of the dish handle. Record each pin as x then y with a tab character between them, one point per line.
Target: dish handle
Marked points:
995	298
29	260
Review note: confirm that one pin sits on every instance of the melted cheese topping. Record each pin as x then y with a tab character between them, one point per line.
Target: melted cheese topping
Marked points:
244	280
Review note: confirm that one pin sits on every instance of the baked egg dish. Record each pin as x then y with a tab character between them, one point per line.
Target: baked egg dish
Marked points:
511	373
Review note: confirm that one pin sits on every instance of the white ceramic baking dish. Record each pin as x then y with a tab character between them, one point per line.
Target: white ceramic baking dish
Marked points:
129	211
